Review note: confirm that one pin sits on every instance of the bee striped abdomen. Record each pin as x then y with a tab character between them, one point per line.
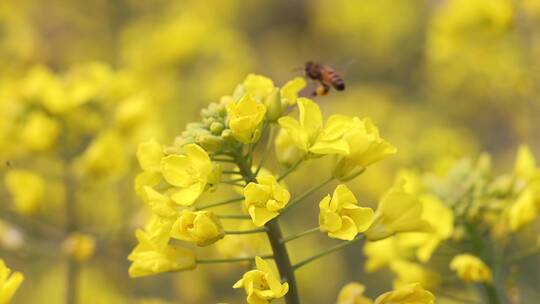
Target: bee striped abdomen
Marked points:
335	80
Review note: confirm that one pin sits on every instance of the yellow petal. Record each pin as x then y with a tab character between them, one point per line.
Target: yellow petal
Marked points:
174	168
187	196
261	216
347	231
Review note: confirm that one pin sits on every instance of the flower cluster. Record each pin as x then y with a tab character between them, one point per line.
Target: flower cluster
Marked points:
220	151
472	225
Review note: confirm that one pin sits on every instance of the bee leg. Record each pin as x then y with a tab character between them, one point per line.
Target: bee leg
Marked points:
321	90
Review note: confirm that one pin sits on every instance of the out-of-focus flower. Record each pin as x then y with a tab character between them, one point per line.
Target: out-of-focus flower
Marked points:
27	189
441	220
341	216
526	207
105	156
200	227
470	268
408	294
525	165
155	256
397	212
262	285
353	293
264	199
9	283
309	134
245	118
381	253
242	245
40	132
287	153
365	147
79	246
149	155
189	172
409	272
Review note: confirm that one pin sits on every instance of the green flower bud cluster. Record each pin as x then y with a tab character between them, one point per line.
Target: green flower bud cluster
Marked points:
211	132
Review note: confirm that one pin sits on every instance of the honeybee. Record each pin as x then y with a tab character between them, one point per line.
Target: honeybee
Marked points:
326	76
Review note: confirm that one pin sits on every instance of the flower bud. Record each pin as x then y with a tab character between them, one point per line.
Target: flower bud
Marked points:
210	143
216	127
200	227
273	105
227	134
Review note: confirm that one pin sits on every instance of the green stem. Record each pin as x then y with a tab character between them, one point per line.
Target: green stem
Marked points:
225	202
267	149
290	170
301	234
327	251
250	231
223	160
231	172
232	260
283	261
281	256
232	183
481	251
305	195
491	293
73	267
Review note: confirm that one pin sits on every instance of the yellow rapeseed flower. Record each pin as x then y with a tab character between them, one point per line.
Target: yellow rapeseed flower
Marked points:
353	293
310	135
410	272
160	204
245	118
525	166
149	155
262	285
105	156
341	216
155	256
200	227
408	294
287	153
190	173
264	199
365	147
397	212
79	246
471	269
40	131
258	86
8	283
27	189
381	253
526	207
289	91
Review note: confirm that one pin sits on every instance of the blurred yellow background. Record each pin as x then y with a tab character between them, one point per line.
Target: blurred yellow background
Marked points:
442	79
